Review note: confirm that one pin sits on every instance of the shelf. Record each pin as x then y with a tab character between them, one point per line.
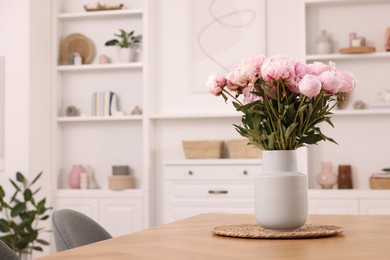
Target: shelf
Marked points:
100	14
213	162
196	116
348	193
361	112
359	56
342	2
92	67
98	118
98	193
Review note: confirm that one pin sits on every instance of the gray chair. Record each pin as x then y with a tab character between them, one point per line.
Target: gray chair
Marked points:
7	253
73	229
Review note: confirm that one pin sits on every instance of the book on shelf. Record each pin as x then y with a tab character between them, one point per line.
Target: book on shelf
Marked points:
104	103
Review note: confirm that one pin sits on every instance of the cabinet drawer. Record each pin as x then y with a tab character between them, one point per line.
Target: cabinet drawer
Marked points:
334	206
210	172
375	206
211	190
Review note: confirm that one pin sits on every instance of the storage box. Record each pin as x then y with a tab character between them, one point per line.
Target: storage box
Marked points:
378	183
203	149
239	148
120	182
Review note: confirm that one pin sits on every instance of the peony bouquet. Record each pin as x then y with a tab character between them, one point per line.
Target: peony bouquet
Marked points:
283	101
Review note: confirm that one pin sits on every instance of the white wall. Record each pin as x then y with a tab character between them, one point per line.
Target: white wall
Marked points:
25	43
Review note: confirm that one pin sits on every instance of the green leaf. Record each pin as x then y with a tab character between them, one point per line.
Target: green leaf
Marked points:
37	248
289	130
42	242
18	209
27	195
2	193
20	178
36	178
4	226
17	188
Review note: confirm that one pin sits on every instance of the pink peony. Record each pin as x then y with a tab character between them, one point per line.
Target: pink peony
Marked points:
216	83
229	81
331	82
310	86
278	67
249	97
316	68
257	61
245	74
348	81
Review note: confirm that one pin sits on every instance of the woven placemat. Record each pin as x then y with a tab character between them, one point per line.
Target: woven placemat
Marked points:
256	231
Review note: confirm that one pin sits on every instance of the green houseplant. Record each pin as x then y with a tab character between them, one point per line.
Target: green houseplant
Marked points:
21	215
128	43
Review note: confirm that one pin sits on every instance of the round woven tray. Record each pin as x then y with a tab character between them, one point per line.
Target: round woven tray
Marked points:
256	231
76	42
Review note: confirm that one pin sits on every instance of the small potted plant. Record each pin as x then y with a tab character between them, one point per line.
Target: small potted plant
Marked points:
20	216
128	43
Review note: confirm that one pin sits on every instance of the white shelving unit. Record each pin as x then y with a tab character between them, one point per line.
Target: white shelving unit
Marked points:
99	142
361	133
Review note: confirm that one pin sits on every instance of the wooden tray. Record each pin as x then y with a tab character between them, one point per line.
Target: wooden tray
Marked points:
360	49
100	7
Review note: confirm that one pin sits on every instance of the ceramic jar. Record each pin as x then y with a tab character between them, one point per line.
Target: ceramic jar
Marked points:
324	43
327	178
74	176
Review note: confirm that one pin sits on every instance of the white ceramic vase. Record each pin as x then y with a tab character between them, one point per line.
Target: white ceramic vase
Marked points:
280	192
126	54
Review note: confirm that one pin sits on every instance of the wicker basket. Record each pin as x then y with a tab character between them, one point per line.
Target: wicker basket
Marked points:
379	183
239	148
203	149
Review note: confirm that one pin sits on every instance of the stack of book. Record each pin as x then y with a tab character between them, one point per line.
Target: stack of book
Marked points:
380	180
104	103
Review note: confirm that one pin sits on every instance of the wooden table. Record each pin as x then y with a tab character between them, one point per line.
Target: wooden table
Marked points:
364	237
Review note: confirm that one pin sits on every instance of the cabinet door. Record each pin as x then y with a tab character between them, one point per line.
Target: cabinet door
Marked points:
375	207
121	215
86	206
334	206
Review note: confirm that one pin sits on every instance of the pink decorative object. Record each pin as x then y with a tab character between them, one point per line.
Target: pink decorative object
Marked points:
74	176
327	178
387	39
103	59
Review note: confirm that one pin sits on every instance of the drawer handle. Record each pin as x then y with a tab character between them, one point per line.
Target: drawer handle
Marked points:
190	173
218	191
245	172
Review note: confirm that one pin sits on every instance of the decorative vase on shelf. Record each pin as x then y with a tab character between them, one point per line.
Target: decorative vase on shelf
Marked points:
74	176
327	178
280	192
126	54
324	43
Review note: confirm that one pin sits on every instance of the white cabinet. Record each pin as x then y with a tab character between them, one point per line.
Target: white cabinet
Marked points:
333	206
208	186
119	213
345	202
371	206
100	142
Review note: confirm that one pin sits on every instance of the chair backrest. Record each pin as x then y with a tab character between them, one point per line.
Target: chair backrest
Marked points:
73	229
7	253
